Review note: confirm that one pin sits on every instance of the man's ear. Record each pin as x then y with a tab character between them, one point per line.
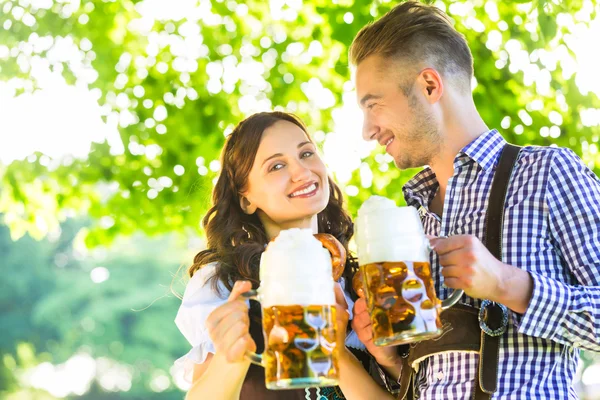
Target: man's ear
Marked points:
432	85
247	206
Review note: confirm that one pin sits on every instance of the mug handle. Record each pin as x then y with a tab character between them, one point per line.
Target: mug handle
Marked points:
250	355
456	293
453	299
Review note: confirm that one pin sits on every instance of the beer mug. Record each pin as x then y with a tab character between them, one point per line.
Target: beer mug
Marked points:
298	313
393	256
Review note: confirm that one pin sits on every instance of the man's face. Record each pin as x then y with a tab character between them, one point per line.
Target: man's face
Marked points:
401	122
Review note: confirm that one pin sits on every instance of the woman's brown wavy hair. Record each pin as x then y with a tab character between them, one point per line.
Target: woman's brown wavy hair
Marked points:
236	240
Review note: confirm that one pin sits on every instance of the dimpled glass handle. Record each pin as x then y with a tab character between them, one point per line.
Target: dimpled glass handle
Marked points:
250	355
456	293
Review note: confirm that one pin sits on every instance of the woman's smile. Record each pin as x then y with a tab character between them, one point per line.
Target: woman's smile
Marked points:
306	190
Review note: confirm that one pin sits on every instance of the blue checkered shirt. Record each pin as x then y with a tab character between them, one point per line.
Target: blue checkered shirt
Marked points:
552	230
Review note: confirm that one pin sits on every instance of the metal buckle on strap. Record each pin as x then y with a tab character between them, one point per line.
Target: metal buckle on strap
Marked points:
493	318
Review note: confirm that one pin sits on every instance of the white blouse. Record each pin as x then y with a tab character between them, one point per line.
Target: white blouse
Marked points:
199	300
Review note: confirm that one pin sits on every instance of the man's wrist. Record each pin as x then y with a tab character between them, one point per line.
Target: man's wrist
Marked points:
516	289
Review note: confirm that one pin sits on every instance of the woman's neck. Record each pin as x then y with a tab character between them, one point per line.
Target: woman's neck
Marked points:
273	228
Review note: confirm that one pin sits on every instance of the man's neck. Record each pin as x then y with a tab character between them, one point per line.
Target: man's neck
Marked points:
460	127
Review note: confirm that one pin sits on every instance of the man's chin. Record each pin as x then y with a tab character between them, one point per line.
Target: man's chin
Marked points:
402	164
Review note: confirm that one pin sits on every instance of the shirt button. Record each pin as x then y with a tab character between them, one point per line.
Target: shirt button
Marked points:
440	375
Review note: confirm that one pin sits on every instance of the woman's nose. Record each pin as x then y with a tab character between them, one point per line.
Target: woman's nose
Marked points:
300	172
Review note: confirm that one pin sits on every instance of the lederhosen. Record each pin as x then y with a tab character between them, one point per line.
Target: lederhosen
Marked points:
467	328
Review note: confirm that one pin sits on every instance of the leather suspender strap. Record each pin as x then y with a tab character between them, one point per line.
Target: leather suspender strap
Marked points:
487	378
495	211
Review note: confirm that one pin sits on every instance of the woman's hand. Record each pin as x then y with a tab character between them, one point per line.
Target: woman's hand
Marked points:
361	323
229	325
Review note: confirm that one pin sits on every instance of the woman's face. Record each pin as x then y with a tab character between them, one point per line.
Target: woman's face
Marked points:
287	185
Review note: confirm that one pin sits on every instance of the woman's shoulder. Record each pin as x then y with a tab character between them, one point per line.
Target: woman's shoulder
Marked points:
200	287
199	300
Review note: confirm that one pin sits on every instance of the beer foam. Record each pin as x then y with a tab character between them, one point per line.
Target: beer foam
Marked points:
295	269
386	232
376	203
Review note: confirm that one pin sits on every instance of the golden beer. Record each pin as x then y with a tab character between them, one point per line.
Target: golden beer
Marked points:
394	255
298	313
402	302
301	346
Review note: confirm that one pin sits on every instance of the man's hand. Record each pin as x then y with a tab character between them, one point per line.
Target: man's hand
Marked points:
468	265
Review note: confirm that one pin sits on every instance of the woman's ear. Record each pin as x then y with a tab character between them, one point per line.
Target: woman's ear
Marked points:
247	206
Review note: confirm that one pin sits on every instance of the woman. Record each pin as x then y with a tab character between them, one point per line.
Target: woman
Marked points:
271	179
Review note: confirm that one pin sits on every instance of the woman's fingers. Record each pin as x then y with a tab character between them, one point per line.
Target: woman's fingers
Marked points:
232	327
234	303
238	349
229	325
239	288
221	312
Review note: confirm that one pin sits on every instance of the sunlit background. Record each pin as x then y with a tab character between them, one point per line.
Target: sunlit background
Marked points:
112	114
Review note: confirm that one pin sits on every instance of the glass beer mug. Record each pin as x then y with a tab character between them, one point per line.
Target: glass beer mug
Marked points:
393	256
298	313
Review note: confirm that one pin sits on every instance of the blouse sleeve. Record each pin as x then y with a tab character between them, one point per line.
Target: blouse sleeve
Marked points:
199	300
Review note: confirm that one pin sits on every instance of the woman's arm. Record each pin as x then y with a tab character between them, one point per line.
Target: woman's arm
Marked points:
387	357
218	379
222	374
355	382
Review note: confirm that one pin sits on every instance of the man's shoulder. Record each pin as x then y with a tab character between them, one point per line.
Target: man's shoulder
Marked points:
540	153
547	156
544	158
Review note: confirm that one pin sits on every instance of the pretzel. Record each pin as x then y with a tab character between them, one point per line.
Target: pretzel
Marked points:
338	253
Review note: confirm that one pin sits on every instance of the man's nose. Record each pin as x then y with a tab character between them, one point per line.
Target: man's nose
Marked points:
369	130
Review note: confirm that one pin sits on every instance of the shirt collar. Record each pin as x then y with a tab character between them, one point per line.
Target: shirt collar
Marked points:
484	150
421	188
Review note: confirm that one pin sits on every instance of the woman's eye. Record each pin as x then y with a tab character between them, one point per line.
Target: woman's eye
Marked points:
306	154
276	167
370	106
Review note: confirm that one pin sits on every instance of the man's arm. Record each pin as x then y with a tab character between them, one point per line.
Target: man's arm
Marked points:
565	313
570	314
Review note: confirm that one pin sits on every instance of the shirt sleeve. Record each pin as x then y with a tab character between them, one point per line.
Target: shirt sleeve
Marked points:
569	312
199	300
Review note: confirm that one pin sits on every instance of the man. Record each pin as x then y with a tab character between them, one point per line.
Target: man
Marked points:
413	79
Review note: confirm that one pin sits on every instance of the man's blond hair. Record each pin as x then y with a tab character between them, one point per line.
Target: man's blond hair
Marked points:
417	34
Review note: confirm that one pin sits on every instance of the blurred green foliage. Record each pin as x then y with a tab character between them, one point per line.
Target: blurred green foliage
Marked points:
175	82
52	309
